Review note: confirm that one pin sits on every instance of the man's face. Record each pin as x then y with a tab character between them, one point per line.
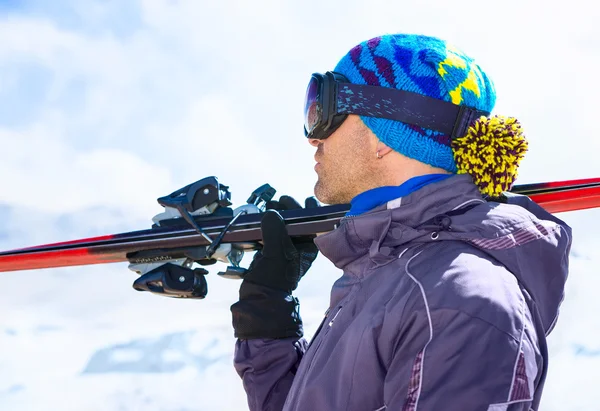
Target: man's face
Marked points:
346	162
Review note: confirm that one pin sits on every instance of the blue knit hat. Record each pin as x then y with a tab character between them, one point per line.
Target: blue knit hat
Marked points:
424	65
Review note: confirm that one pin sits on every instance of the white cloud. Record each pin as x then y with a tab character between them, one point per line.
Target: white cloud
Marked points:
45	174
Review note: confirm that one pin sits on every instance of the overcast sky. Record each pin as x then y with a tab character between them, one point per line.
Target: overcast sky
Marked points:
107	105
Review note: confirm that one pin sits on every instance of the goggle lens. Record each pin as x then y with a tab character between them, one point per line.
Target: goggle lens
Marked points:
312	108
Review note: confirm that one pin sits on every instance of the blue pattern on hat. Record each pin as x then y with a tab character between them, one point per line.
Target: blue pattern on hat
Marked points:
424	65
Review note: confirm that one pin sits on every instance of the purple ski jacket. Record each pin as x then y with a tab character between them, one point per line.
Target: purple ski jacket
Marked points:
445	303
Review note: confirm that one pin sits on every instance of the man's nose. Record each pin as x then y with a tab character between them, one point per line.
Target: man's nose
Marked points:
314	142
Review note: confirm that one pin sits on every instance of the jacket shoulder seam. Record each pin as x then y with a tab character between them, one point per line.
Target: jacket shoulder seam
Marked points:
432	310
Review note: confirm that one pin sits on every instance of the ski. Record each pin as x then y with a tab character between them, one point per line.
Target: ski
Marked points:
208	230
563	196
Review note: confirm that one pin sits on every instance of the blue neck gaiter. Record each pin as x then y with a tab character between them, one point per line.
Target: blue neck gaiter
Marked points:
375	197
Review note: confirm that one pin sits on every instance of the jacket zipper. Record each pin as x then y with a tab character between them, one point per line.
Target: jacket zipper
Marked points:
312	340
315	350
335	316
324	334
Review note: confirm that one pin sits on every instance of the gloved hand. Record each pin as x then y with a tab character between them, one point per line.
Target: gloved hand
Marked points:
282	262
266	308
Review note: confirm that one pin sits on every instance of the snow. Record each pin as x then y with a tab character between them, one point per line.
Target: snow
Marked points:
106	106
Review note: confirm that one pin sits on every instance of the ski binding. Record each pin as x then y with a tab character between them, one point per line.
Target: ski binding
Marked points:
171	272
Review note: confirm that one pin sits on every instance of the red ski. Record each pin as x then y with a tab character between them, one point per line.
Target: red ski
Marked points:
188	234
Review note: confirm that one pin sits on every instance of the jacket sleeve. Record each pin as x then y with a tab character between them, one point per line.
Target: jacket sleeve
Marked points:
267	368
448	360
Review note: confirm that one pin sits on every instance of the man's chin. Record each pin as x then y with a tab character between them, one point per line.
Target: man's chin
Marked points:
320	193
325	194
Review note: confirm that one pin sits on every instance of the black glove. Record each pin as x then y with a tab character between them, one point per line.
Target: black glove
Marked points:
266	308
282	262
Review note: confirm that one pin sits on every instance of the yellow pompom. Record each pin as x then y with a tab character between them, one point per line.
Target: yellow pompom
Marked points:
491	152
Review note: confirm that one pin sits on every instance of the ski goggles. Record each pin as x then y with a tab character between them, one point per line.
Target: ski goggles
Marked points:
330	98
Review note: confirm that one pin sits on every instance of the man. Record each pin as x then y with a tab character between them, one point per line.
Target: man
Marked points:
449	288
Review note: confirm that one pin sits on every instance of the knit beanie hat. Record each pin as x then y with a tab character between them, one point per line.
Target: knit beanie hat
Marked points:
492	148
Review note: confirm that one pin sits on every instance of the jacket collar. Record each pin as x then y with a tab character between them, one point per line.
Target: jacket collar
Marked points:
370	238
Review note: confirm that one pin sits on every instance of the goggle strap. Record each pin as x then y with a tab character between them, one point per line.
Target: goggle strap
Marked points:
407	107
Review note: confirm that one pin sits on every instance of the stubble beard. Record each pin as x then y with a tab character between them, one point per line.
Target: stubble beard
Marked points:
342	186
327	192
346	172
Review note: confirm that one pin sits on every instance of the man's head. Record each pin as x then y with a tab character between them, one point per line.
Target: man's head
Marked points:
368	152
